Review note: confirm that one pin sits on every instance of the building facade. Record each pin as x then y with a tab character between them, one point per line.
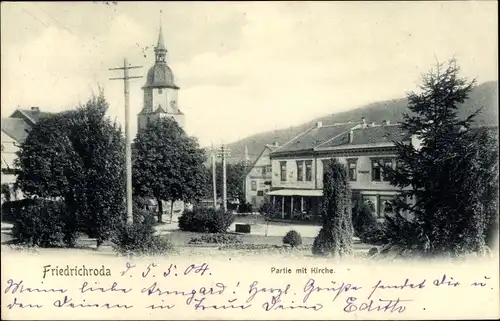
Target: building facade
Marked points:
160	91
258	178
298	167
15	129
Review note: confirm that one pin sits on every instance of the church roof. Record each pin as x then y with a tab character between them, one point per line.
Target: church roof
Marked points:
161	42
160	76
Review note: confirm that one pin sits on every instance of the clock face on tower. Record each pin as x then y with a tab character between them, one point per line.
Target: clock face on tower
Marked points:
173	104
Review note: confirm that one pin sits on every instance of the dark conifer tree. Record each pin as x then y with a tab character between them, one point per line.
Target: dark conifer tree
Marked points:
335	237
445	170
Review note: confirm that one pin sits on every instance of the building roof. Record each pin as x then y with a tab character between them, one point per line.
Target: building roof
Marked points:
31	115
370	135
17	128
272	147
160	76
314	137
161	43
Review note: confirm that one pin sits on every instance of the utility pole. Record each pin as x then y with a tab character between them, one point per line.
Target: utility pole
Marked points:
214	177
223	153
128	148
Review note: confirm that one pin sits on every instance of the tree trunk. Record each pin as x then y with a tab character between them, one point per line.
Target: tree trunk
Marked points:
171	210
160	210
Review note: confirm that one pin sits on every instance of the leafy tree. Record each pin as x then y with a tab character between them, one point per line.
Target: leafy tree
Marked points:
449	173
335	236
168	165
100	146
78	156
235	180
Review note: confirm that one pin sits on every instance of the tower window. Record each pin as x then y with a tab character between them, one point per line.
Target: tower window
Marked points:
160	91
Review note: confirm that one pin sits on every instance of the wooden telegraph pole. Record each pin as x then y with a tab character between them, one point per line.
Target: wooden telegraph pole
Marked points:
223	154
214	177
128	148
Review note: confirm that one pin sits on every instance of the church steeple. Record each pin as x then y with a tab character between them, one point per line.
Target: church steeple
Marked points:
160	49
160	90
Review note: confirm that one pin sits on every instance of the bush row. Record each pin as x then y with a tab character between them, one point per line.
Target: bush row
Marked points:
216	239
47	223
205	220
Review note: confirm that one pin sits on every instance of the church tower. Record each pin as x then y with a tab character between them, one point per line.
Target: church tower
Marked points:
160	91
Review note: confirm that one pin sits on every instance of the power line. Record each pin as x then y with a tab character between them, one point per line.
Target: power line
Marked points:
59	23
34	17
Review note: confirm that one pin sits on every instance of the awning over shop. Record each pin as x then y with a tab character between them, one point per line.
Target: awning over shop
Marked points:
296	192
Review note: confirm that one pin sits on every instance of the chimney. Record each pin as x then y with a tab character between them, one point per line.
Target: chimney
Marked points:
351	136
372	124
386	122
363	120
319	124
276	144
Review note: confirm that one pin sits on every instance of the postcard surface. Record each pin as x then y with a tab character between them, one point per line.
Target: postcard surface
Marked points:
249	160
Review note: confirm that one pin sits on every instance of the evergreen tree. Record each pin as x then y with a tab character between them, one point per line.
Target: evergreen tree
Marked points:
447	172
335	236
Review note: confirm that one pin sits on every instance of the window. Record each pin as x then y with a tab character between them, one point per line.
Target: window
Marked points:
254	185
387	207
160	91
375	170
283	171
308	170
387	163
371	201
9	171
260	193
300	170
352	167
326	164
254	201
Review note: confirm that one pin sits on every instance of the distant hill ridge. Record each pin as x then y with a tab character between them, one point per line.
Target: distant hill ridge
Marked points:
484	95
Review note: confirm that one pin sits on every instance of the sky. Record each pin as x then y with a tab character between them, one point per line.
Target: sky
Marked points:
243	67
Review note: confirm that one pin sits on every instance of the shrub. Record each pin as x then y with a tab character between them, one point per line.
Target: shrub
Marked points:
139	237
322	243
245	207
374	234
408	234
216	239
205	220
11	209
363	219
292	238
44	223
269	210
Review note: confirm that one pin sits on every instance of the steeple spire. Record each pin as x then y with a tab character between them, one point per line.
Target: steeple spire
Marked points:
160	48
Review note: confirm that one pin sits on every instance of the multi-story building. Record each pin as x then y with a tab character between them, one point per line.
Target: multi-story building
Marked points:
258	178
297	179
